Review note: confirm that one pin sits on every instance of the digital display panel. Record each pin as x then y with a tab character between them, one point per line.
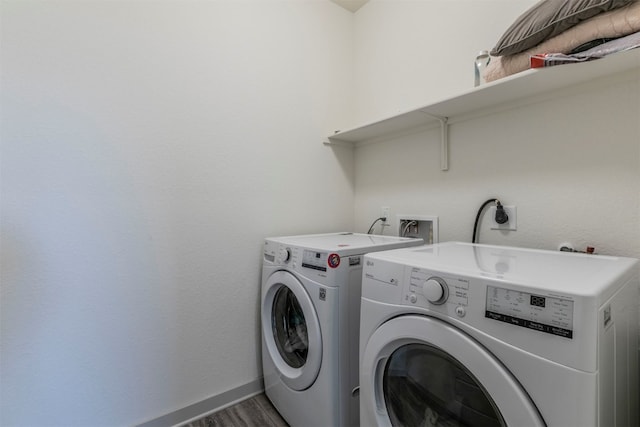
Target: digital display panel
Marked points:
537	301
546	314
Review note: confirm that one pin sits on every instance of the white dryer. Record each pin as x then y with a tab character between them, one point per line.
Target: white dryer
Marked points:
458	334
310	324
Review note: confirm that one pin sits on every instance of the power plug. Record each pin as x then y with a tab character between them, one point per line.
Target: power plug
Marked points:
507	214
501	216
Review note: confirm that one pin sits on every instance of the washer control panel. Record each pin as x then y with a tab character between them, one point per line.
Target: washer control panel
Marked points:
441	292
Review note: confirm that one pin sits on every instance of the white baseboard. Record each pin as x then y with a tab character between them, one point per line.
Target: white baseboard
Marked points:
207	406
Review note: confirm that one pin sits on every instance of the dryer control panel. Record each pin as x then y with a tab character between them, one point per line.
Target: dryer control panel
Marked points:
541	313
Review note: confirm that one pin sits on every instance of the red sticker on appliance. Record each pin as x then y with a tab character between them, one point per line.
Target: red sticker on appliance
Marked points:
333	260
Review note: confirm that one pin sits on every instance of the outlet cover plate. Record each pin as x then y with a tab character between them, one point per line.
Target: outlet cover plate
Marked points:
511	225
384	212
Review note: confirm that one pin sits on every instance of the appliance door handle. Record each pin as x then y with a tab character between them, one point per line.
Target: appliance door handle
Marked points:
355	392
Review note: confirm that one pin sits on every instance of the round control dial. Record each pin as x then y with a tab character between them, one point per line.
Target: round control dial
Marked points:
284	254
435	290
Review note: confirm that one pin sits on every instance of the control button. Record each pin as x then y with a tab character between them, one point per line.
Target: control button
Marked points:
461	311
435	290
284	254
413	298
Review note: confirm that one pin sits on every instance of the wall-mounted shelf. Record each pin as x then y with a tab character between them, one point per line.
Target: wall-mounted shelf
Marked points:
507	90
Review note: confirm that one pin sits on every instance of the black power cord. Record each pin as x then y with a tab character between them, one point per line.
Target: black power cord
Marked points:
382	218
501	216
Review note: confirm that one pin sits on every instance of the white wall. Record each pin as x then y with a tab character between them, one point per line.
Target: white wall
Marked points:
147	149
570	164
412	52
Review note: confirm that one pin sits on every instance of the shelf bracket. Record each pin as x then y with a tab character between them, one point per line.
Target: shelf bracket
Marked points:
444	141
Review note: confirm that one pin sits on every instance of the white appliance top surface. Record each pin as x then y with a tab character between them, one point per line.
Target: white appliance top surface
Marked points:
337	242
579	274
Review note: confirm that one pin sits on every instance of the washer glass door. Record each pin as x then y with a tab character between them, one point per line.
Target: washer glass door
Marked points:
424	386
291	330
420	371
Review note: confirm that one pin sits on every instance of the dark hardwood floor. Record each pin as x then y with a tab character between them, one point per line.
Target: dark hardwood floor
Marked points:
253	412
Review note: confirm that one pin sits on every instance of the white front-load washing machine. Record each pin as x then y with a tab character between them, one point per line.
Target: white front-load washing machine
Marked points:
310	324
458	334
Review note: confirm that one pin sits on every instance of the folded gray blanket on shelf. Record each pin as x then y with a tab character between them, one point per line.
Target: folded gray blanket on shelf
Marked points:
613	24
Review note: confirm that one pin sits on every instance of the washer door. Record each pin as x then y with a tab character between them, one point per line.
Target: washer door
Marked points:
291	330
420	371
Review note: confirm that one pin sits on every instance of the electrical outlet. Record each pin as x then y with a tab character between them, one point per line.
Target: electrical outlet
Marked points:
511	225
385	212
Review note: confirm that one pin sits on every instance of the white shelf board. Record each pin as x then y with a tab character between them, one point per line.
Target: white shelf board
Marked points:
509	89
